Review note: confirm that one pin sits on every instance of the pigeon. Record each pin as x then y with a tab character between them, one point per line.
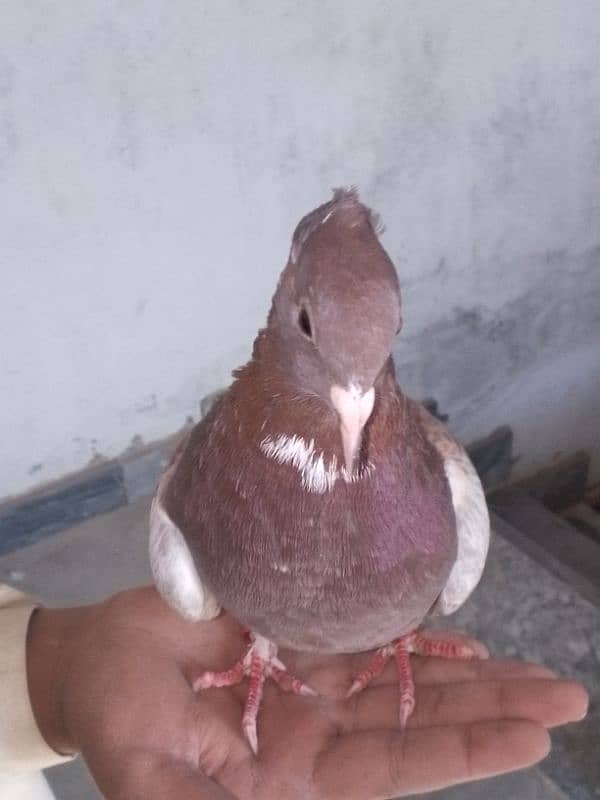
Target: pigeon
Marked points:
317	503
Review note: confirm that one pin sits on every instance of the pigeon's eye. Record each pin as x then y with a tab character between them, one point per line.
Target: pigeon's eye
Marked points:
304	323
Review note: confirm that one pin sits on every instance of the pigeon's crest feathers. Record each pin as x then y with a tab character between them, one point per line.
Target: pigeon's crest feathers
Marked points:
346	201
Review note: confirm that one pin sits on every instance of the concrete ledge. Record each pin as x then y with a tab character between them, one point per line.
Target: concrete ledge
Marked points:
105	487
82	495
26	521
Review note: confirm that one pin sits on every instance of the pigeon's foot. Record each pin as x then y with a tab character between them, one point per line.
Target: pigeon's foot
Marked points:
433	643
258	663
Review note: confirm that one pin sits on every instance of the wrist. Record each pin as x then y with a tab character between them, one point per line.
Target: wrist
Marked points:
51	636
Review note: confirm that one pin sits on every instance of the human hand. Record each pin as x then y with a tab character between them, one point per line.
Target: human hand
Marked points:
112	681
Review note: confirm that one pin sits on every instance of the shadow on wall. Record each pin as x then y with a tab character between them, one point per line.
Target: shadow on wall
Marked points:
534	364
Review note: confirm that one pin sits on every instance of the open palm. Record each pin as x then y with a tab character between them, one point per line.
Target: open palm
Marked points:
129	708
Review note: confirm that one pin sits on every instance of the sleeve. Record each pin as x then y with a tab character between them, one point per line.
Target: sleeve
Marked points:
22	746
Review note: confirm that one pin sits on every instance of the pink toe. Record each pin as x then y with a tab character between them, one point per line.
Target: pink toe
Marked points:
249	728
203	681
407	706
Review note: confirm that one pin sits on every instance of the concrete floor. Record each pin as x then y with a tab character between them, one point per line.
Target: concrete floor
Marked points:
108	553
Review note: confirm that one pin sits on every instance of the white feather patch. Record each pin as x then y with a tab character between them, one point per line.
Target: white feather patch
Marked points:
294	450
172	565
473	531
317	475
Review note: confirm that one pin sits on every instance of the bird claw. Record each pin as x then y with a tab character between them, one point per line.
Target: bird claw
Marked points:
407	706
249	729
258	663
307	691
439	644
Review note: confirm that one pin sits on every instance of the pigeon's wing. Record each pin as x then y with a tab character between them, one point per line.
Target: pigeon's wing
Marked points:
173	568
470	510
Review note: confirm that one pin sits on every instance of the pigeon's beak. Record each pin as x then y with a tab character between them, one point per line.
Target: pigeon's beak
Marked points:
354	408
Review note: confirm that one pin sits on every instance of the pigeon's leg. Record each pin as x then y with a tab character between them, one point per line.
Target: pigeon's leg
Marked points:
258	663
230	677
438	643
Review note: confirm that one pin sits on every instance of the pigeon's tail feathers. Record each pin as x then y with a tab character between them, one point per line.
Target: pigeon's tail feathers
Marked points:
175	574
470	511
345	201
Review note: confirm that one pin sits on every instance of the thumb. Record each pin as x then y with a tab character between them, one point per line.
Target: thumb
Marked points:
156	776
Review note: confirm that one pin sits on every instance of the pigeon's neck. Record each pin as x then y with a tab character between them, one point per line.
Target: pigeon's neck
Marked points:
290	425
269	400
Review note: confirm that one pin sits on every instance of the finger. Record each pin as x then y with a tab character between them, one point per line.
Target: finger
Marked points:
549	702
431	671
385	764
154	776
331	676
441	670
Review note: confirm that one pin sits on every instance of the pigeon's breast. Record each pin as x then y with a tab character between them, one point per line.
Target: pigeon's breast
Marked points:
336	568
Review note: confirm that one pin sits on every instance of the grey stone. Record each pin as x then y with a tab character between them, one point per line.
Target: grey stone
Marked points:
492	456
141	472
73	782
586	519
94	491
520	609
562	484
561	548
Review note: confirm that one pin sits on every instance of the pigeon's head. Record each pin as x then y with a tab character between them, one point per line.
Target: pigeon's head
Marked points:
336	312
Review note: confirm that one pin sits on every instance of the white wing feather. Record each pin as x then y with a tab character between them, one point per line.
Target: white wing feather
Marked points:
472	518
172	565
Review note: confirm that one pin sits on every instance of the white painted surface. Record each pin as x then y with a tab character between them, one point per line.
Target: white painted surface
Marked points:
154	158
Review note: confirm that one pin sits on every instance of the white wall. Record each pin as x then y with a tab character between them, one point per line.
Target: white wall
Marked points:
155	156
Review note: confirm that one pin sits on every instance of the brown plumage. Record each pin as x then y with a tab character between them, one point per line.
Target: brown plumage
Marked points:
345	570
